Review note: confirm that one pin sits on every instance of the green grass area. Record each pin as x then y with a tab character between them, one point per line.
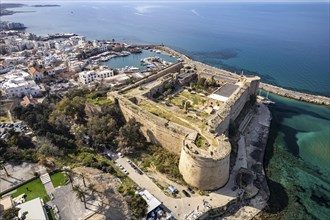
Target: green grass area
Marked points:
197	101
32	190
59	179
99	101
161	112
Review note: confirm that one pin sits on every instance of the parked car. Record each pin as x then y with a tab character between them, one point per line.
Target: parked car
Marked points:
191	190
186	193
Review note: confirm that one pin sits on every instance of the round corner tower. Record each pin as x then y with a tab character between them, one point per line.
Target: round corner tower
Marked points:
205	170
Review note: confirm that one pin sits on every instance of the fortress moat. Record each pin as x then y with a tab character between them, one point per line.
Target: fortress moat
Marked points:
188	110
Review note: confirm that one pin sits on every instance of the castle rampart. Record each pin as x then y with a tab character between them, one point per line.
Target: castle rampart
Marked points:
204	167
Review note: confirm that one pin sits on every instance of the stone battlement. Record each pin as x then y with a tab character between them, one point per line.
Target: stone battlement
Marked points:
204	168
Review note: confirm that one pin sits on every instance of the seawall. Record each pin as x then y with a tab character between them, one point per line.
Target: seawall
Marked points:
315	99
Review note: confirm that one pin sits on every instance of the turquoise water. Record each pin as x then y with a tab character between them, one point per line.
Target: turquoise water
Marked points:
285	44
134	59
298	159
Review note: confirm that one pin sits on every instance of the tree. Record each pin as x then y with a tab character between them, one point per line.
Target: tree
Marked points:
91	187
11	213
80	193
3	167
83	176
138	206
49	150
186	106
130	136
102	130
70	174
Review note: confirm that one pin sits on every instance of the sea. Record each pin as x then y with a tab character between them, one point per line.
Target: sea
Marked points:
286	44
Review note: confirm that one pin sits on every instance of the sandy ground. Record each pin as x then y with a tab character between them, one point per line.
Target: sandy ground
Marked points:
110	204
18	174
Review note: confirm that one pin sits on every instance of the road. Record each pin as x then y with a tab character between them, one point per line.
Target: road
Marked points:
180	206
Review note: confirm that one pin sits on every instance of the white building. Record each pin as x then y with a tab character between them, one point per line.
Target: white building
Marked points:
19	84
34	209
87	77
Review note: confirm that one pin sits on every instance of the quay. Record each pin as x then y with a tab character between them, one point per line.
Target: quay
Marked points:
58	35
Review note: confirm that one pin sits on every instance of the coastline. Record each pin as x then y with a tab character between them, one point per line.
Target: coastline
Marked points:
300	96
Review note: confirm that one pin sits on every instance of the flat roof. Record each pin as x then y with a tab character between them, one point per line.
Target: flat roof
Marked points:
226	90
34	209
6	203
150	199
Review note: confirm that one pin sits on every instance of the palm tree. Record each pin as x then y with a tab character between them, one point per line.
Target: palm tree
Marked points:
70	174
83	175
3	166
92	189
80	193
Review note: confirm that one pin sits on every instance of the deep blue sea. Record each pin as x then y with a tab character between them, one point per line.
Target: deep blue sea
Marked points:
285	44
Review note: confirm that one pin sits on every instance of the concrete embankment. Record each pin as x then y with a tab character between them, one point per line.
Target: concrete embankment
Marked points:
320	100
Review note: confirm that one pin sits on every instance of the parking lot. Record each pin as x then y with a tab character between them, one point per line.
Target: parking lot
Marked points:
17	126
183	207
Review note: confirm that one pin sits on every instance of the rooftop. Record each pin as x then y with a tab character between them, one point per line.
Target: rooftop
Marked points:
34	208
150	199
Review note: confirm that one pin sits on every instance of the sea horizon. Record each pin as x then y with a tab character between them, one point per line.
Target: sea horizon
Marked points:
285	44
291	60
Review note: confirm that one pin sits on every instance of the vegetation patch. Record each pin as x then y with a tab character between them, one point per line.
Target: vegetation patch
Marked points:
161	112
32	190
59	179
136	203
164	161
201	142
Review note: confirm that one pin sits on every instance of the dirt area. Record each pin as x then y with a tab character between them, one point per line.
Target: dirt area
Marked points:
112	205
18	174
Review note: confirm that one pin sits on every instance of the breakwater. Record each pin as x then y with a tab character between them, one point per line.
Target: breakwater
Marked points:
315	99
310	98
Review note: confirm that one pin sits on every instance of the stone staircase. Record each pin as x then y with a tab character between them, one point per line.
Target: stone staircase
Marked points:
45	178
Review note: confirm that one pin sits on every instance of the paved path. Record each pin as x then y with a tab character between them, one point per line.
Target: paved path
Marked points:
45	179
181	206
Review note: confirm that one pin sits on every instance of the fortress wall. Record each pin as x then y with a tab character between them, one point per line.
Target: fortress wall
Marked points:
239	99
171	69
157	130
239	105
223	125
250	89
202	172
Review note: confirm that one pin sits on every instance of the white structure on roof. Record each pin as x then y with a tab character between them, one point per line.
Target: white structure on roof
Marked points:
87	77
152	202
224	92
19	84
34	208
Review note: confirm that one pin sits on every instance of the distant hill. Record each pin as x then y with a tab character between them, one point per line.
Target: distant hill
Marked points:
39	6
10	5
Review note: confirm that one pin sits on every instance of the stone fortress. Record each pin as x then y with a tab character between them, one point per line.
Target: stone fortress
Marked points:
198	133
